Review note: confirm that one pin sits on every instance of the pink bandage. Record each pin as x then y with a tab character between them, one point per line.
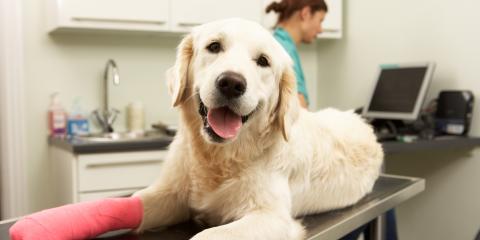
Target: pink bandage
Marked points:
80	221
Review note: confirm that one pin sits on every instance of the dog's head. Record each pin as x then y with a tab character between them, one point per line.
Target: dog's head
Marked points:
236	75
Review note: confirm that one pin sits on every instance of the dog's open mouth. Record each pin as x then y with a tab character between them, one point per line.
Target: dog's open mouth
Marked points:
221	123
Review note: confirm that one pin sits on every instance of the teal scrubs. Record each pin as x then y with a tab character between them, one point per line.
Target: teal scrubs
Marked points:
284	38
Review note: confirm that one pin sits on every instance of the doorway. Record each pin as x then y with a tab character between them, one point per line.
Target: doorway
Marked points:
12	139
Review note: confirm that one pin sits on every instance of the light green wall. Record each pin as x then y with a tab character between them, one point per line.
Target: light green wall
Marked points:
446	32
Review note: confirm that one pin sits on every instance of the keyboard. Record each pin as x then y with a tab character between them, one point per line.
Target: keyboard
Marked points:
386	136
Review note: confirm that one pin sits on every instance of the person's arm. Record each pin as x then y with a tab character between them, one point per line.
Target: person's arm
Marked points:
303	101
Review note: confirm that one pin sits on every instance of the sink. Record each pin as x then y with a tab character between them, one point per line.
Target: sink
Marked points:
121	136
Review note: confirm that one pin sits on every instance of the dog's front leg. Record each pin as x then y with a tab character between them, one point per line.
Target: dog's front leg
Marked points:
166	201
258	225
262	206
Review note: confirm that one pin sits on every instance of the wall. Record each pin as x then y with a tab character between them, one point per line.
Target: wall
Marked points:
73	65
443	31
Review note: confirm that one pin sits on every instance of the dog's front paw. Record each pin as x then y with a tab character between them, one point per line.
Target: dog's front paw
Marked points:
218	233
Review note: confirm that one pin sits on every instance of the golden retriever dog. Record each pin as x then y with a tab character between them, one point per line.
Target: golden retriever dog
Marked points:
247	159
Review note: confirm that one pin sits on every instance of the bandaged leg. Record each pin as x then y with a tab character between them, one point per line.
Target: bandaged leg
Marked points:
80	221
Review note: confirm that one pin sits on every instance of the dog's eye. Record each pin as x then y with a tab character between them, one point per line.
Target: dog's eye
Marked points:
214	47
262	61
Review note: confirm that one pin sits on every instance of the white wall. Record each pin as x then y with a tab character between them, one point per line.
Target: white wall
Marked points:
73	64
447	32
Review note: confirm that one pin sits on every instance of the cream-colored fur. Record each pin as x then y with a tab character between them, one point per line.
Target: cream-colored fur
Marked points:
284	162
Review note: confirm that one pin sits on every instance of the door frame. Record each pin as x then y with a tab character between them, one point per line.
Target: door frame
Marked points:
13	154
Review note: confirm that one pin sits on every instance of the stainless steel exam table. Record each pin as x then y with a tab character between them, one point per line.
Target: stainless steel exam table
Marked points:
388	192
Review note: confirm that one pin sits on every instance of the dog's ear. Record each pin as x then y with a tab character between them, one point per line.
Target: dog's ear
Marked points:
177	76
288	105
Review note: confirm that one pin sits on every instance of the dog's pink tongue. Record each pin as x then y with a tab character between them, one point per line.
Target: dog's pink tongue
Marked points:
224	122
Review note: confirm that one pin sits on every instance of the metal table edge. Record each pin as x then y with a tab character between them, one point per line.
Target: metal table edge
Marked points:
10	220
339	230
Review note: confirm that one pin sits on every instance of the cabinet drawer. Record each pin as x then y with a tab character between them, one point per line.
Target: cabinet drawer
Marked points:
186	14
118	171
139	15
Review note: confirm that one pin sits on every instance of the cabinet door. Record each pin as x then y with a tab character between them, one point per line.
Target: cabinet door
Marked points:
83	197
332	25
139	15
189	13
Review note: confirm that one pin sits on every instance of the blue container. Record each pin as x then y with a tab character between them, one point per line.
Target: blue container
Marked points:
77	126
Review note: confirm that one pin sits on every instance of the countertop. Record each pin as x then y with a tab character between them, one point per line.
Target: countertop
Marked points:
78	146
388	192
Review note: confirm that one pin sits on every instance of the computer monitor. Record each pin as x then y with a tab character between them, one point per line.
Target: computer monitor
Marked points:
400	91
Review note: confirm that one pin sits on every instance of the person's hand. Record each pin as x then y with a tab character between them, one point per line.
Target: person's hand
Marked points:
302	100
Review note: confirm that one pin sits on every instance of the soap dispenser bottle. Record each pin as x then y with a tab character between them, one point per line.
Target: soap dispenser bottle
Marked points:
57	117
77	123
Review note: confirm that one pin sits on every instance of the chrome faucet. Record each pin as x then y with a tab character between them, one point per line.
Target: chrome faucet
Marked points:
106	116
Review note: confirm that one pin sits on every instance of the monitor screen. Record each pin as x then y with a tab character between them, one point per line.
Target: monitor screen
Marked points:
399	91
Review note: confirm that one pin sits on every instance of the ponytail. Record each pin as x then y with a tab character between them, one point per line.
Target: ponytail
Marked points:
277	7
286	8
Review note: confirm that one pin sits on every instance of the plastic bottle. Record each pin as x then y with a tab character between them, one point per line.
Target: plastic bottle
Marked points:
57	117
135	117
77	119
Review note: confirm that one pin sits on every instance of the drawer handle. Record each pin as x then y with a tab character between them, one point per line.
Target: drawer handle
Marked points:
114	20
327	30
120	164
189	24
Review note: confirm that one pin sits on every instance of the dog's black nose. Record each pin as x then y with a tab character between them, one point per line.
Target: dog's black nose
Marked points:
231	84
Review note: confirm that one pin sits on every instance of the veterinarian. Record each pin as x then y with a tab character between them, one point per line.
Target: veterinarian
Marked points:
299	21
